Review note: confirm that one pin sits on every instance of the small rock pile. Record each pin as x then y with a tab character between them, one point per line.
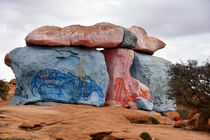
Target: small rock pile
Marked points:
63	65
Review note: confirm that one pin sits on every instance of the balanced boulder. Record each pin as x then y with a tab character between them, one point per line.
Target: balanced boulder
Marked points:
123	89
152	71
146	44
101	35
65	75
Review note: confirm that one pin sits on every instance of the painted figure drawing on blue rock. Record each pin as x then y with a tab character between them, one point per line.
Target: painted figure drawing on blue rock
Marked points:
54	86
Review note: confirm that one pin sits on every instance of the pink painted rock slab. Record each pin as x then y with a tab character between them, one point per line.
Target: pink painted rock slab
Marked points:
101	35
123	89
145	43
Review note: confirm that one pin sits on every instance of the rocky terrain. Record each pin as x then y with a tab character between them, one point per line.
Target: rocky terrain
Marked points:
69	89
74	122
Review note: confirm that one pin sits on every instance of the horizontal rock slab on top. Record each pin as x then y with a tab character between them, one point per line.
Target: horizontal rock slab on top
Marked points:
146	44
152	71
123	89
66	75
101	35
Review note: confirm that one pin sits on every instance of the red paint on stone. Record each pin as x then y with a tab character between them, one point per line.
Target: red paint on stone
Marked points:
123	89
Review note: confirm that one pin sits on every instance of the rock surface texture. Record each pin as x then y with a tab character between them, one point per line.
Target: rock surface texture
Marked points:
66	75
146	44
152	71
123	89
101	35
143	104
82	122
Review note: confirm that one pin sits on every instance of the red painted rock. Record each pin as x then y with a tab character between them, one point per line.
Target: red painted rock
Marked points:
123	89
7	60
145	43
101	35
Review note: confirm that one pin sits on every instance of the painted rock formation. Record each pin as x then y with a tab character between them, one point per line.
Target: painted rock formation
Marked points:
146	44
101	35
66	75
152	71
123	89
61	65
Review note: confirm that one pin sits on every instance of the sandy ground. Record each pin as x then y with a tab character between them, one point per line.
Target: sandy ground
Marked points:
78	122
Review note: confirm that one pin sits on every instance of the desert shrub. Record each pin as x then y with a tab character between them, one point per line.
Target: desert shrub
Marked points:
183	113
155	121
145	136
4	88
190	85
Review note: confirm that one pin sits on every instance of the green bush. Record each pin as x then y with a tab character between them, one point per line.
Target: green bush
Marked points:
183	113
155	121
145	136
3	90
189	84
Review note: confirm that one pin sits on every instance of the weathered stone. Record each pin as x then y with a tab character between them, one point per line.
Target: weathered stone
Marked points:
152	71
143	104
123	89
67	75
101	35
146	44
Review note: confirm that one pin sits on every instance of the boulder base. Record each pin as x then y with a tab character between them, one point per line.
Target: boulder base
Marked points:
66	75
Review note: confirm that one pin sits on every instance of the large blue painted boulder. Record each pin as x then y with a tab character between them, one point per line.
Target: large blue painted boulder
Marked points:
64	75
152	71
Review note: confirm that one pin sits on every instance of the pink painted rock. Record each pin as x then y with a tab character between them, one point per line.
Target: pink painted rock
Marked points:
145	43
101	35
123	89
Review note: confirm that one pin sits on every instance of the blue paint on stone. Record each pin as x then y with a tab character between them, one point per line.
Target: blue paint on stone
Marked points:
53	85
59	74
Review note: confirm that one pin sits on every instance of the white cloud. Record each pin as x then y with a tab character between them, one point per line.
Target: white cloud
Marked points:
183	25
186	47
